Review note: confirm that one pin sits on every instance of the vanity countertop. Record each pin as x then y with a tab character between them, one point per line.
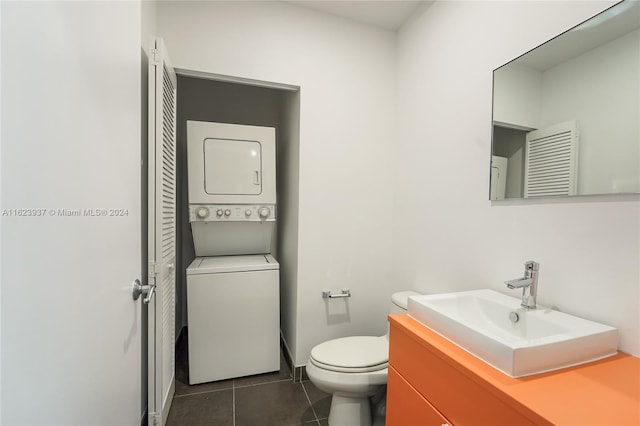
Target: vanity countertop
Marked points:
604	392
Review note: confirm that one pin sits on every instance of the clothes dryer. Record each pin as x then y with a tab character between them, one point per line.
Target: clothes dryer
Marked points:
232	187
233	312
231	163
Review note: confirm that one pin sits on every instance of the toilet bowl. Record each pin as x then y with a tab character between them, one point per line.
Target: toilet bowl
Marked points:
353	369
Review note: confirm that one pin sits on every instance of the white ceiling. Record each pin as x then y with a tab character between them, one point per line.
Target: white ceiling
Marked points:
389	15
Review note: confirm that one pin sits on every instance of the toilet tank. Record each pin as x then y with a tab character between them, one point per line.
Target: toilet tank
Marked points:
399	301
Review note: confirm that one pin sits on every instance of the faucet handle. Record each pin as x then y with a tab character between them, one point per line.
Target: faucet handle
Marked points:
531	265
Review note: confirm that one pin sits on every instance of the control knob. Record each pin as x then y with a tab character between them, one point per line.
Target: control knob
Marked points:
263	212
227	212
219	212
202	212
247	212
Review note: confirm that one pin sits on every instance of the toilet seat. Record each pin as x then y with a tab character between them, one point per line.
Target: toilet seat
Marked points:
355	354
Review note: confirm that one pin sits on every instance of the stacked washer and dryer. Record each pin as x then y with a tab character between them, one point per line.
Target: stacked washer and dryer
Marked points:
233	302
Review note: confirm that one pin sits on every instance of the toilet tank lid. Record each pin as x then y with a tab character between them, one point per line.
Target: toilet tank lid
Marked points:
401	298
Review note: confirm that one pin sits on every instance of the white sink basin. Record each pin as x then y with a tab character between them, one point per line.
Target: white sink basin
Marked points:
541	340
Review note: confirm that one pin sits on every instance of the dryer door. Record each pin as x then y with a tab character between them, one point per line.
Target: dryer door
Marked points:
231	163
232	167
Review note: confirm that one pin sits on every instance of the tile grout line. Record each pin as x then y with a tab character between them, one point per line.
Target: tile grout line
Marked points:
233	402
202	392
263	383
310	404
230	388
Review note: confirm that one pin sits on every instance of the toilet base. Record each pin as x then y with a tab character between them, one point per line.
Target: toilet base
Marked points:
349	411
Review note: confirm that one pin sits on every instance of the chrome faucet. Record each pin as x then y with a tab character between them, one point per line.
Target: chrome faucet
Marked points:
528	283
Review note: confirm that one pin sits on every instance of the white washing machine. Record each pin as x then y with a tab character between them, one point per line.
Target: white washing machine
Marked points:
234	316
233	298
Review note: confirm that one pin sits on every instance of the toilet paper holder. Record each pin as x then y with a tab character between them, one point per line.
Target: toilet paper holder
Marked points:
326	294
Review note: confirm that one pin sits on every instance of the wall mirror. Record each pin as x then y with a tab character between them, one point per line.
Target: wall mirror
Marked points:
566	115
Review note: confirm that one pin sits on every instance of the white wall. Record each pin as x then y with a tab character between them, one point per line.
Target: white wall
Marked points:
447	235
149	24
517	96
346	74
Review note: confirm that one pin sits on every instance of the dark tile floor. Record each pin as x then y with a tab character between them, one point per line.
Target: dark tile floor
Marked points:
270	399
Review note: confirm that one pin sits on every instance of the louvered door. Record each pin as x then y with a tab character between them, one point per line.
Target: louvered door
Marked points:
551	166
162	233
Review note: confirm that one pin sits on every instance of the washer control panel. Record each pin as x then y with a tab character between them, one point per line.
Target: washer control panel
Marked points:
232	212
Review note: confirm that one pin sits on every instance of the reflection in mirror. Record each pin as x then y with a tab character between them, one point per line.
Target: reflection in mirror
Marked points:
566	115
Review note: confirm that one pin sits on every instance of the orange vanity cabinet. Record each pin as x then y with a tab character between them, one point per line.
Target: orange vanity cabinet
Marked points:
409	407
433	382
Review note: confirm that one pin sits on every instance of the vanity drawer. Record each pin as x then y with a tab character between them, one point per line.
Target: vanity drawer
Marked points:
405	406
461	399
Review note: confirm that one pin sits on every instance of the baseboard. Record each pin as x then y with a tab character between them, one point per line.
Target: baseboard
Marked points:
298	374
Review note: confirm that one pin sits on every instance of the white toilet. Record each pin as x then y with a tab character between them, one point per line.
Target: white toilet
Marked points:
353	369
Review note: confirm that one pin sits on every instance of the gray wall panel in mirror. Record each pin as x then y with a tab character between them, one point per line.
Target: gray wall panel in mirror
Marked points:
589	75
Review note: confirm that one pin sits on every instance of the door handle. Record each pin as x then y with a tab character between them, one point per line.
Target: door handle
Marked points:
148	290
